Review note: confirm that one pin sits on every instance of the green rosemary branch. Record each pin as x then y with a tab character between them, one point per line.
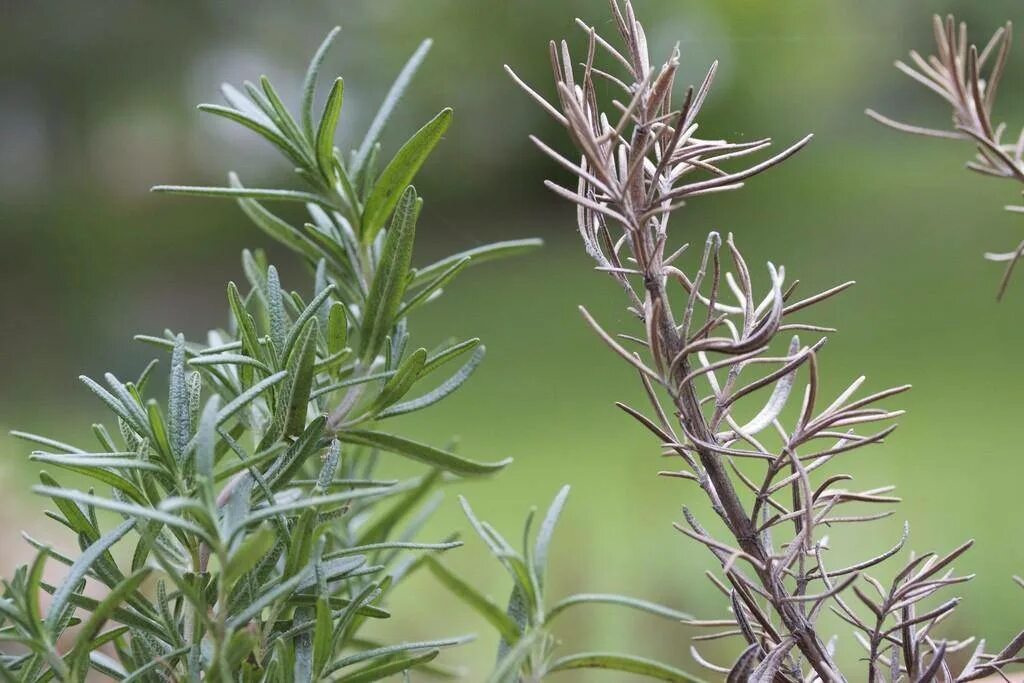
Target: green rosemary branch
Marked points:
261	537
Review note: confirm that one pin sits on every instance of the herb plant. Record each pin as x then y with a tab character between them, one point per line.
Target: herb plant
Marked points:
719	361
242	529
246	528
528	641
968	79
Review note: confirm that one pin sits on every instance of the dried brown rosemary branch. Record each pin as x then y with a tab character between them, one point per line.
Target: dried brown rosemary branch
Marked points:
968	79
712	348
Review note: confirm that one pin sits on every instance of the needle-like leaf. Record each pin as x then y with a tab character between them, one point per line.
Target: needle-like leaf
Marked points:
399	173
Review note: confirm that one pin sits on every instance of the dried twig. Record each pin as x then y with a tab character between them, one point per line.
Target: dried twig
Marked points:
717	357
967	79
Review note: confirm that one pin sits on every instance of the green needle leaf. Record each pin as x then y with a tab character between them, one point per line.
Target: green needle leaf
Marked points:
389	667
547	530
254	124
248	396
80	655
389	282
484	606
323	633
294	399
488	252
399	384
117	506
310	80
399	173
276	313
270	223
422	453
624	663
400	648
446	388
100	468
179	417
242	193
309	312
337	328
206	440
433	289
80	569
275	592
325	133
508	666
253	549
613	599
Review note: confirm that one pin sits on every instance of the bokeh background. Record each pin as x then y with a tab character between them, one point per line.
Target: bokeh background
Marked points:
96	105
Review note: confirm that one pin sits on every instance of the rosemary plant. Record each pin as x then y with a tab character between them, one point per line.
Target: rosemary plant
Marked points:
968	80
719	362
239	530
528	642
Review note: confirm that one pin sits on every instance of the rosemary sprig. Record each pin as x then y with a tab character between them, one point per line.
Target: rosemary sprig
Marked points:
967	79
720	362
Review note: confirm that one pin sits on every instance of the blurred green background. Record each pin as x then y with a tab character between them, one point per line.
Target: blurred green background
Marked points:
96	105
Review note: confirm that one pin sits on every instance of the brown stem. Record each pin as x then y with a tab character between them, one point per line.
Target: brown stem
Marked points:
739	523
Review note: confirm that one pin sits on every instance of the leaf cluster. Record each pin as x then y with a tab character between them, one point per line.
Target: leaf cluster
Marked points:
526	625
240	527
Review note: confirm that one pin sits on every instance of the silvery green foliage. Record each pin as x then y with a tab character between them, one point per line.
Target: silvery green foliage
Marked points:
238	528
527	625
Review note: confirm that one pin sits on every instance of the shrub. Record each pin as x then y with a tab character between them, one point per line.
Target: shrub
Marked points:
262	538
718	365
265	537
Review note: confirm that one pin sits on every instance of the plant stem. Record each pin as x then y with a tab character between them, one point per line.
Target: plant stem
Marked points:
723	492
